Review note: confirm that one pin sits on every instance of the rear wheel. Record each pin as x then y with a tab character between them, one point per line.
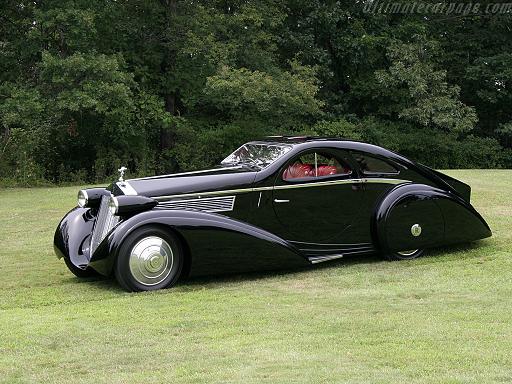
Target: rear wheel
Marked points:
150	258
405	255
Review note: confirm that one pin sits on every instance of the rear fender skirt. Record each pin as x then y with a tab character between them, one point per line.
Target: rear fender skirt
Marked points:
71	239
217	244
443	218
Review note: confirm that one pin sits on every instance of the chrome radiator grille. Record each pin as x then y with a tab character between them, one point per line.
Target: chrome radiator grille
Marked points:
105	221
210	204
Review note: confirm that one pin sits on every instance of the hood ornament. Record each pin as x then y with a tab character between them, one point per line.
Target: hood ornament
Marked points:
121	171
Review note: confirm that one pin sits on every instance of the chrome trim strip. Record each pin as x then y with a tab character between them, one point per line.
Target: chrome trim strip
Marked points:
385	181
333	250
321	259
345	245
188	173
201	194
126	188
290	186
320	183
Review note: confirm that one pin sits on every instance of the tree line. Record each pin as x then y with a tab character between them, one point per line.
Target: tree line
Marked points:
168	85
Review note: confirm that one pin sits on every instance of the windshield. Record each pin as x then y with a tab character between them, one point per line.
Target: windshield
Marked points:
259	155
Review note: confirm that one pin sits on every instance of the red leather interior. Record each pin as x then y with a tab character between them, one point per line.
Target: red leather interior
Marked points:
326	170
298	170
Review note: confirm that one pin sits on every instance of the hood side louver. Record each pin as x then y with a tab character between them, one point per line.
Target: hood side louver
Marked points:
208	204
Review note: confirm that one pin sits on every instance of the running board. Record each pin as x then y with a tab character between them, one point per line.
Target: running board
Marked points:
321	259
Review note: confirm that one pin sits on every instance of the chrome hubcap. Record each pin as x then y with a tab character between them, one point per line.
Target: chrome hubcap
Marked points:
416	230
407	253
151	260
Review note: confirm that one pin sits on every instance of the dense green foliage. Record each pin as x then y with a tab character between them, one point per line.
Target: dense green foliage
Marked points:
165	85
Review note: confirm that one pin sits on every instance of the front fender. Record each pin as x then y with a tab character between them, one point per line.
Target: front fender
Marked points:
72	236
216	243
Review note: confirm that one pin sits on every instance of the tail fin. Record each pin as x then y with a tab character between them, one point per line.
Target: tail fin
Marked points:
461	188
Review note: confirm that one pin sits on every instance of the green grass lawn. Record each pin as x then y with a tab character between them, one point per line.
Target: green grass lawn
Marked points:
446	317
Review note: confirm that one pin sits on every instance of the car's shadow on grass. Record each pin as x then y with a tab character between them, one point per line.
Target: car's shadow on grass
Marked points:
99	282
432	256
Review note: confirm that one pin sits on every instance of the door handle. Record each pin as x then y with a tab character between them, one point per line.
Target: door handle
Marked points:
281	201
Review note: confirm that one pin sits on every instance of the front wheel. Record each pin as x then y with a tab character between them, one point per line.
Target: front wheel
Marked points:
405	255
150	258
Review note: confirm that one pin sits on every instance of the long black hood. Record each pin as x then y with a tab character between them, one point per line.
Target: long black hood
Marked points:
193	182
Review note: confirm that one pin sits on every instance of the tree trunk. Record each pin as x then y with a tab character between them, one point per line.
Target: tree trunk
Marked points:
167	136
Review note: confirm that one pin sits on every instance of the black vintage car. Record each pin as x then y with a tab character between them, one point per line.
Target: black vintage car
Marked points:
279	203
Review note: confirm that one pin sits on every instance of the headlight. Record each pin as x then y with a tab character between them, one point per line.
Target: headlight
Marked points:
83	198
123	205
113	205
91	197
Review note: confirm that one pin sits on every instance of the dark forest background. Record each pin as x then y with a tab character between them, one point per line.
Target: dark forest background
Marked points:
166	85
